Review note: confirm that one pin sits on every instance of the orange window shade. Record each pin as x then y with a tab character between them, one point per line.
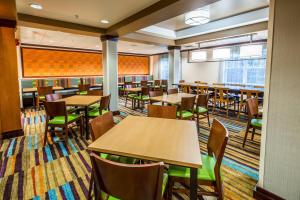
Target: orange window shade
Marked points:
56	63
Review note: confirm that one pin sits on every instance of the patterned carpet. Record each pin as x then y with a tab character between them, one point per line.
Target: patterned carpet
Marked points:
58	171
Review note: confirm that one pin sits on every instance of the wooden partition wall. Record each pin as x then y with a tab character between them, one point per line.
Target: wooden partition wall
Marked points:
55	63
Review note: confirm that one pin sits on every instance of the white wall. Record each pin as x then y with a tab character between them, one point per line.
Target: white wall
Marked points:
204	71
154	66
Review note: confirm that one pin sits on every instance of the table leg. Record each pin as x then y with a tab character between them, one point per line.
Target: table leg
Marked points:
193	183
33	99
86	122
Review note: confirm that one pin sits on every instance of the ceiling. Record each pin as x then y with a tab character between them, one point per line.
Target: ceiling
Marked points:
61	39
217	10
89	12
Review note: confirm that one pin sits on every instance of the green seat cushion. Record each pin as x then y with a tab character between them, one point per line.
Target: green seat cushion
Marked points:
59	120
206	172
256	122
95	113
83	93
164	184
144	97
201	110
42	97
94	106
132	95
185	114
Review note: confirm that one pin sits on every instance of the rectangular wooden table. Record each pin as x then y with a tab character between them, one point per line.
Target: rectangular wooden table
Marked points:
168	140
171	98
82	101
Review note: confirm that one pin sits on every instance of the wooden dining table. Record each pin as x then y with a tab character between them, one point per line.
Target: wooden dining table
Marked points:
171	98
82	101
171	141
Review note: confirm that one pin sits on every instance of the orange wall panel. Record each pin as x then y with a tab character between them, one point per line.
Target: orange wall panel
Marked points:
55	63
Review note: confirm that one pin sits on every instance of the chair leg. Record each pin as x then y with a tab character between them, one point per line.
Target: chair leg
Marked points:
46	134
126	100
208	119
227	108
67	133
246	135
81	127
170	188
198	126
253	132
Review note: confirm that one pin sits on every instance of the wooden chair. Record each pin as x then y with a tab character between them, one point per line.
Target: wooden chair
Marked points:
157	83
168	112
123	181
172	91
144	83
83	89
128	95
95	92
254	120
42	92
202	108
182	81
53	97
164	85
222	97
210	172
142	98
155	93
186	109
102	109
57	116
246	94
186	89
202	89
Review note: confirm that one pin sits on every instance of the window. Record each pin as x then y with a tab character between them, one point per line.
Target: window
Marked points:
249	51
223	53
164	67
198	56
245	71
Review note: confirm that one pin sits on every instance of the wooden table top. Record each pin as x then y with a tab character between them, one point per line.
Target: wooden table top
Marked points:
138	89
34	89
172	98
168	140
80	100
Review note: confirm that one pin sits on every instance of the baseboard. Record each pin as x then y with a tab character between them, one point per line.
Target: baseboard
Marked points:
11	134
117	112
262	194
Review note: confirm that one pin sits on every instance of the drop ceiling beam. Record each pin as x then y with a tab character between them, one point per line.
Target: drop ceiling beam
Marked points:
242	30
57	25
147	39
158	12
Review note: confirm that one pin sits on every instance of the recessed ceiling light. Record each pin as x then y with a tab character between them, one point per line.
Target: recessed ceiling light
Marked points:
104	21
36	6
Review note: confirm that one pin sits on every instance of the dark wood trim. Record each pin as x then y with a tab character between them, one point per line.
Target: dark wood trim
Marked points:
260	193
8	23
174	47
11	134
109	38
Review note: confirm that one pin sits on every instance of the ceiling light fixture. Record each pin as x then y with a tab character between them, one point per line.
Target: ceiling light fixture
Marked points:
104	21
36	6
197	17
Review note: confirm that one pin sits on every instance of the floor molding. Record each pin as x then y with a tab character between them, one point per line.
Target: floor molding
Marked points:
263	194
11	134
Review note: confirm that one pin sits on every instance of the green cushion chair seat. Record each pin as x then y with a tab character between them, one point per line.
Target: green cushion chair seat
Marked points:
95	113
201	110
256	122
83	93
42	97
94	106
185	114
60	120
143	98
206	172
132	95
164	184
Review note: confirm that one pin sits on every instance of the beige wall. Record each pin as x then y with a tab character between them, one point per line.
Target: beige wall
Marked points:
204	71
280	172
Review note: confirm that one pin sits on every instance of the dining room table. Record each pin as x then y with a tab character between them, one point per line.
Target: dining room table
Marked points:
82	101
171	141
173	99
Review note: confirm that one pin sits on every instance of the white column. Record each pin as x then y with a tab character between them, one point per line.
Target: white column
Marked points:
174	65
110	70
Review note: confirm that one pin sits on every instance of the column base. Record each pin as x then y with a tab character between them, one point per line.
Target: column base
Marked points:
11	134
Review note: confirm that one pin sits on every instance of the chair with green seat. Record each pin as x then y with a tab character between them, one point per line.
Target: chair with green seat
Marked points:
102	109
210	172
42	92
57	96
128	95
57	116
95	93
186	108
254	120
116	181
83	89
155	93
202	108
142	98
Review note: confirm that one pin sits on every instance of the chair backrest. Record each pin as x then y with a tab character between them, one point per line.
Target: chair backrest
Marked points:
44	90
104	103
187	103
55	108
202	100
168	112
172	91
247	94
145	91
185	88
53	97
157	82
128	84
216	144
83	87
95	92
182	81
128	181
252	107
101	125
156	93
144	83
220	92
164	82
202	89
